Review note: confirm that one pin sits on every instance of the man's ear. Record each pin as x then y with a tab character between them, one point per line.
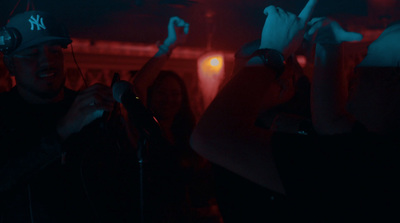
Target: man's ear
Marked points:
9	63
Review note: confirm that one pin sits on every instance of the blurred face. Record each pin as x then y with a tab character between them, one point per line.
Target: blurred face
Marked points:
166	99
374	98
39	70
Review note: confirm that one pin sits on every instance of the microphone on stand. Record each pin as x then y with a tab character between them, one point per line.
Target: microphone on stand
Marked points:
143	118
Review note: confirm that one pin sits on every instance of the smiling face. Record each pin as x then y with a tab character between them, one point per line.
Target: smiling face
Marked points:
39	71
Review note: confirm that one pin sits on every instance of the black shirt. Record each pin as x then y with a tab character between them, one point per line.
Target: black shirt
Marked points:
36	186
340	178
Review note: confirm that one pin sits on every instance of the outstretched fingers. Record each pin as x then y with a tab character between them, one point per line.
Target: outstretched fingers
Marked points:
305	14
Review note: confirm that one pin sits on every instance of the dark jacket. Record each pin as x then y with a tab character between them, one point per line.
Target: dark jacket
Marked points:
37	186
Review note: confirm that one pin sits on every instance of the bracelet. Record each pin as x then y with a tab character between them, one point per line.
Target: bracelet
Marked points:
164	48
273	59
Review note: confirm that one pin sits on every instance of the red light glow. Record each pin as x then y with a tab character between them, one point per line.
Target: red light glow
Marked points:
302	60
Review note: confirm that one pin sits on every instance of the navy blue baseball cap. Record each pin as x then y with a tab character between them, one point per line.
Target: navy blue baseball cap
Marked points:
37	27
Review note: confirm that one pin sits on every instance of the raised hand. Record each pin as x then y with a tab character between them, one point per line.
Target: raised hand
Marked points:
178	30
327	31
284	31
87	107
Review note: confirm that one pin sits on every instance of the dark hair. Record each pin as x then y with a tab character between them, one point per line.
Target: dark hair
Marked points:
244	53
184	120
300	103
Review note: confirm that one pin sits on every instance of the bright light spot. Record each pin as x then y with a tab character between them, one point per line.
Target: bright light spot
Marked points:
211	64
210	73
214	62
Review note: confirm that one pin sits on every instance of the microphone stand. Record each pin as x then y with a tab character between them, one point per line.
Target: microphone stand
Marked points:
145	137
148	128
141	145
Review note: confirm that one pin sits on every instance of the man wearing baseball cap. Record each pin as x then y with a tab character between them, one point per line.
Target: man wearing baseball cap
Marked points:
48	132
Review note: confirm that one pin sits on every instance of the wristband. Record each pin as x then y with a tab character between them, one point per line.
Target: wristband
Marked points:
164	48
272	59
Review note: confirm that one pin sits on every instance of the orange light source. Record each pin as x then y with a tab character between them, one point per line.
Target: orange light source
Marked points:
214	62
210	67
211	64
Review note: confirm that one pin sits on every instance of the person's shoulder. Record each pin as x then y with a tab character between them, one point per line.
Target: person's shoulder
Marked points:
7	99
4	95
70	94
8	96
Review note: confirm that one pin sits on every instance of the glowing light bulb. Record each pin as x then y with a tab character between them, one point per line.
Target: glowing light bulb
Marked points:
211	64
214	62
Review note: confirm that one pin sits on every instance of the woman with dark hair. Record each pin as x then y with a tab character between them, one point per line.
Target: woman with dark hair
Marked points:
175	176
170	165
168	98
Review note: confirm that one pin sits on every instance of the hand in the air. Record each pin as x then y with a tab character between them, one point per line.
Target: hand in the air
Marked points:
327	31
284	31
178	30
87	107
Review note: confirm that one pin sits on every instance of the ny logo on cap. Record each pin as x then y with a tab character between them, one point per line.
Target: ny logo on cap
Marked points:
35	22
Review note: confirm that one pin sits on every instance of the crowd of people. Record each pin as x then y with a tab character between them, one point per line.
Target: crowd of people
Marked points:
273	146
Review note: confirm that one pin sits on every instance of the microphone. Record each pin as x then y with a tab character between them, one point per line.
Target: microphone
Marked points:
143	118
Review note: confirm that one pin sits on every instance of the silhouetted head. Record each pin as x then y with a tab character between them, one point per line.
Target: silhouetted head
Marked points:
374	95
168	96
168	99
292	85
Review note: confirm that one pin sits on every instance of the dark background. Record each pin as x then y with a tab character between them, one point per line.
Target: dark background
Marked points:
226	24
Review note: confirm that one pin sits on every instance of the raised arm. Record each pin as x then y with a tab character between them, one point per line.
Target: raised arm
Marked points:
226	134
329	84
178	30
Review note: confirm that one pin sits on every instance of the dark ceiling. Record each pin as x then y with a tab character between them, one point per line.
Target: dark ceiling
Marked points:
231	22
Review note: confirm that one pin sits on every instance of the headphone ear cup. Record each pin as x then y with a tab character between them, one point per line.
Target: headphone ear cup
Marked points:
10	39
9	62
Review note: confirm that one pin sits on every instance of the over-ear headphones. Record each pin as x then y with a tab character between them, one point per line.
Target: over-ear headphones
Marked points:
31	28
10	39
